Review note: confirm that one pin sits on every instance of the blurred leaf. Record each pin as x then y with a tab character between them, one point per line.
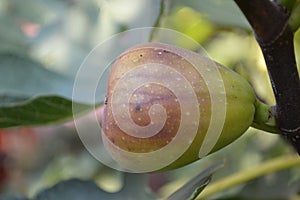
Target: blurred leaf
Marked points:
297	48
195	186
288	4
22	76
163	12
294	20
31	94
222	13
65	166
37	111
140	13
251	173
12	198
11	37
30	11
74	189
135	186
278	186
191	23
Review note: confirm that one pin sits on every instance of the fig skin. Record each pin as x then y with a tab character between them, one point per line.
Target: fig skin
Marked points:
240	111
240	102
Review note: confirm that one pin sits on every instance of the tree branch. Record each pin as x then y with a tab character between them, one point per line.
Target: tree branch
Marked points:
269	21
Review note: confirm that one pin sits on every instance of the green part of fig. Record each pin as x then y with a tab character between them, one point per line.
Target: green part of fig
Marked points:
265	118
167	107
240	110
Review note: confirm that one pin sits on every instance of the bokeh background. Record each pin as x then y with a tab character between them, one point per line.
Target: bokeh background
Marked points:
51	38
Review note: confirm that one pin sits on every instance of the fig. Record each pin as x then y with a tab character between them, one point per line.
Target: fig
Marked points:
167	107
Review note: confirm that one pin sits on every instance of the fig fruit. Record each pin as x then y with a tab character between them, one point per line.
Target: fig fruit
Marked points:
167	107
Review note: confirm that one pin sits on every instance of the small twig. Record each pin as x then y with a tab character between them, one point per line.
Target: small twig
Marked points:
246	175
163	12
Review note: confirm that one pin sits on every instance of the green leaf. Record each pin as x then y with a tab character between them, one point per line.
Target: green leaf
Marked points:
37	111
196	185
199	189
31	94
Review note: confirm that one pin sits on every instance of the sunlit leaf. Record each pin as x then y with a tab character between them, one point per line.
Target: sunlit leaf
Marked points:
191	23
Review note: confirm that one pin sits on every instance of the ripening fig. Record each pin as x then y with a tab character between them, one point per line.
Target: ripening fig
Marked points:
167	107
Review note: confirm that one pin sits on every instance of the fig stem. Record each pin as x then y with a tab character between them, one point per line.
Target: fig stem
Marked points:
270	23
264	117
248	174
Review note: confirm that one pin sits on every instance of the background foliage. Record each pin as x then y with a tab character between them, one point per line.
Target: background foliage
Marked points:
42	46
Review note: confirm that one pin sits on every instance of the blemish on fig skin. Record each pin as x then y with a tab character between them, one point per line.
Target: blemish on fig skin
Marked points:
161	51
112	140
138	107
